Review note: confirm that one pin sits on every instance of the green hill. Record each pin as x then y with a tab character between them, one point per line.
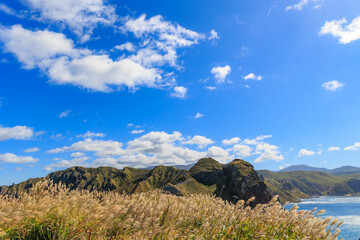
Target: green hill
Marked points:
292	186
234	181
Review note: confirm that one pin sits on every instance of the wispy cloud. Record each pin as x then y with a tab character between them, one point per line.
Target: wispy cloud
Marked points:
333	85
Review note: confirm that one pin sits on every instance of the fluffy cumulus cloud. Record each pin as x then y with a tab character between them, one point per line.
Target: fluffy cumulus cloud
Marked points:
81	16
179	92
252	76
220	73
231	141
331	149
147	61
267	151
353	147
89	134
156	148
219	154
304	152
12	158
17	132
241	150
100	147
332	85
346	34
201	141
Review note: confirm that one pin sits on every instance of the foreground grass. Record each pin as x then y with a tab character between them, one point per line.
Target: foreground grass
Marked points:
51	211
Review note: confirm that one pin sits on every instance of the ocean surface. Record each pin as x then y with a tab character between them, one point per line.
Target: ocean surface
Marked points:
342	208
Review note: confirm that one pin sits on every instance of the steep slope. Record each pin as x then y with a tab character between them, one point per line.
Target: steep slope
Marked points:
234	181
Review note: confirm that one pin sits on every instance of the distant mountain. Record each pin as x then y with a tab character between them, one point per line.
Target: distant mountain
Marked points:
336	171
345	170
233	181
303	168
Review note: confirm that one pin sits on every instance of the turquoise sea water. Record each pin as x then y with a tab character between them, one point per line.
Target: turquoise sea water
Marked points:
342	208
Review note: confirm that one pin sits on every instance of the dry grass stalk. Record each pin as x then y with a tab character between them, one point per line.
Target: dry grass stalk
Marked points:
51	211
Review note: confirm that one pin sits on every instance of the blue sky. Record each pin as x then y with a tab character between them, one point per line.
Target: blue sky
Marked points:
99	83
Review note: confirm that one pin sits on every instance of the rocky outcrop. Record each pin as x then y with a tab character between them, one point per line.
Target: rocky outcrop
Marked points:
234	181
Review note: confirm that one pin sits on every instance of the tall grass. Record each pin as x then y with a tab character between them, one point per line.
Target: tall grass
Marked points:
51	211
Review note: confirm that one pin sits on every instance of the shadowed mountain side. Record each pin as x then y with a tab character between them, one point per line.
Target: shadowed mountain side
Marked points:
234	181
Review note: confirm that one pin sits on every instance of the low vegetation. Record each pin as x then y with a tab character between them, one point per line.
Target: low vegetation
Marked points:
52	211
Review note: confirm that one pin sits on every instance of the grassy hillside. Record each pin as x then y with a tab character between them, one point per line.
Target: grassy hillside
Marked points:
52	211
292	186
233	181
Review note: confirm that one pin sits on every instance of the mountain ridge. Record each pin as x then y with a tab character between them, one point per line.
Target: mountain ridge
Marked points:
234	181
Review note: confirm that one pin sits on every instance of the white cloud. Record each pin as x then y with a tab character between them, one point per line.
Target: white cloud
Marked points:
201	141
333	85
345	34
242	150
330	149
77	154
220	73
38	48
159	39
55	55
231	141
12	158
303	3
252	76
353	147
156	148
81	16
128	46
17	132
267	152
213	35
63	63
7	9
256	140
219	154
89	134
137	131
198	115
79	161
304	152
31	150
65	113
100	147
179	92
211	88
